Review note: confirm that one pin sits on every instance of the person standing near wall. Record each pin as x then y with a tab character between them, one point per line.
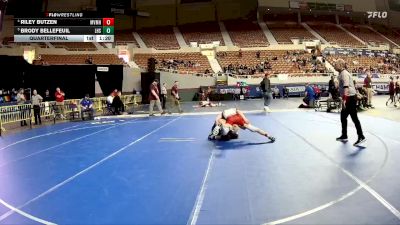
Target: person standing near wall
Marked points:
267	92
164	94
155	98
391	93
60	95
20	101
36	100
349	106
175	97
368	85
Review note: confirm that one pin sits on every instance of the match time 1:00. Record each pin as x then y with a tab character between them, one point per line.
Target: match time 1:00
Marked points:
108	30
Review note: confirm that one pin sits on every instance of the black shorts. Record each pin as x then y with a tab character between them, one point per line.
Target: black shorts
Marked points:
227	137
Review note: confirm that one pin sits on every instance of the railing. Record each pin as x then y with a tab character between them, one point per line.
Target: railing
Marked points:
275	75
184	72
17	113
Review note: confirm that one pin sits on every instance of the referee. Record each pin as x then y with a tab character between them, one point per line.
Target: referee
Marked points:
349	107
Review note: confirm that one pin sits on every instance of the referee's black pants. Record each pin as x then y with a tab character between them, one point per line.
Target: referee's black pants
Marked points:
350	109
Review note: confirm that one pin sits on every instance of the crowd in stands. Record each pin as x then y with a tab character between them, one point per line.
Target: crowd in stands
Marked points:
78	59
374	64
193	62
297	61
175	64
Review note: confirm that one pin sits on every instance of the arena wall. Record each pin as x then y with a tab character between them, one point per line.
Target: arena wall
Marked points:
68	6
160	15
358	6
196	12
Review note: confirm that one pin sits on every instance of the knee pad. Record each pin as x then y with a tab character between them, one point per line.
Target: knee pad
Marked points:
216	130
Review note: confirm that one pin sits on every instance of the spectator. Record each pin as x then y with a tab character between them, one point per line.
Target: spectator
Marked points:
368	85
110	99
277	94
117	104
89	60
20	101
209	93
285	92
155	98
36	100
397	89
258	53
240	53
361	96
47	97
60	95
309	98
333	88
317	91
175	96
267	92
164	94
87	107
391	93
73	106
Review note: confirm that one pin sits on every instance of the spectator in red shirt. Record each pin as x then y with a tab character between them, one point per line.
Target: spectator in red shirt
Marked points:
60	95
175	97
154	98
317	91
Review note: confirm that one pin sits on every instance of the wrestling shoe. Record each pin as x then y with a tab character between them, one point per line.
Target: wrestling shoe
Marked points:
272	139
342	138
266	109
360	140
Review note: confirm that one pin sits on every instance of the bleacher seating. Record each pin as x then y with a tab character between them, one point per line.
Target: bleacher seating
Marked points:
331	33
9	42
202	33
246	33
285	31
159	37
280	65
365	34
389	33
100	59
195	57
124	37
75	46
358	63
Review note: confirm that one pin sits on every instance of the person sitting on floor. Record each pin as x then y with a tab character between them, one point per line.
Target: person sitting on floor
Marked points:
309	99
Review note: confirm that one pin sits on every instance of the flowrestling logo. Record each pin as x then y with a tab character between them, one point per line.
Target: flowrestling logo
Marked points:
380	15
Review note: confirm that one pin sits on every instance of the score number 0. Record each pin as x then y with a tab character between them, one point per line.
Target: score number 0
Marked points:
108	21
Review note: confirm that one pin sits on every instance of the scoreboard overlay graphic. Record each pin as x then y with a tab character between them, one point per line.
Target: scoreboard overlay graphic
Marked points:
64	27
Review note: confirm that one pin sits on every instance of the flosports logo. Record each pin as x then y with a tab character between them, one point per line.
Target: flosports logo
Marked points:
380	15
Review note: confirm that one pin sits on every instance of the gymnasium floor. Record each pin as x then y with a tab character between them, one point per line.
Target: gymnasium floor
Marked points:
163	170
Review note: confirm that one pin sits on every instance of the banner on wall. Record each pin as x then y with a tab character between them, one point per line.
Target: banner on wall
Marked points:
354	51
381	88
254	91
